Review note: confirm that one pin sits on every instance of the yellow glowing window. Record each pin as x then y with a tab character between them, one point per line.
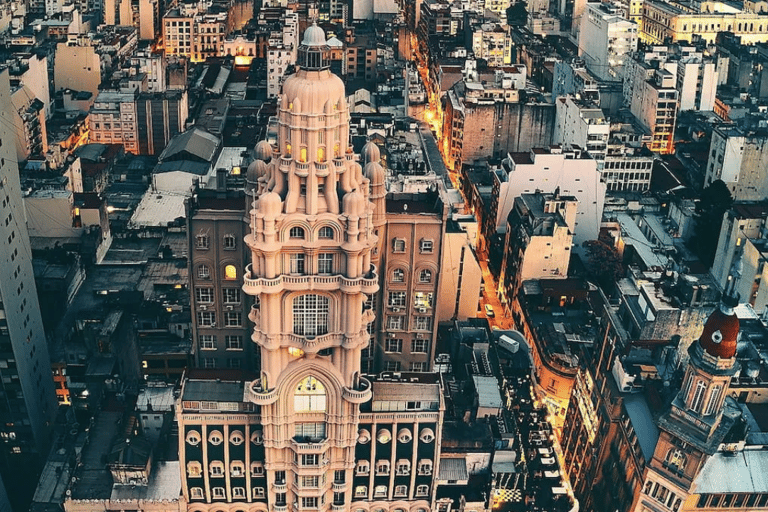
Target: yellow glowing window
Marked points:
336	150
230	272
288	149
303	155
295	352
321	154
235	170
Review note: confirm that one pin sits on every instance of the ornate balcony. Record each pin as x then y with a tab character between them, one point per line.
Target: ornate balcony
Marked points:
255	285
361	394
260	396
302	447
279	487
339	486
280	508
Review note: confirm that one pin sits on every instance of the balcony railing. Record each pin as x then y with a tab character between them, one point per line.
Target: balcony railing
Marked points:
255	285
360	394
261	396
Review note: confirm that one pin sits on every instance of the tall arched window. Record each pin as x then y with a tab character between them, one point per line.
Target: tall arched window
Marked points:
698	396
310	315
675	459
714	397
310	396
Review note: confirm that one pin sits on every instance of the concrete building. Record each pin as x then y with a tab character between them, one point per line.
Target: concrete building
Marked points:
606	40
159	117
654	102
739	158
142	14
78	67
626	168
569	169
493	43
582	123
538	241
113	120
31	136
483	120
31	70
29	407
741	251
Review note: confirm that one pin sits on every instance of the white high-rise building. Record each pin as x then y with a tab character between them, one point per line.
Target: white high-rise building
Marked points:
606	39
28	405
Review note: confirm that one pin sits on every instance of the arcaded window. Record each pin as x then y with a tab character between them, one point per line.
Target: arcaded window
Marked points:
325	233
425	276
296	233
310	315
230	272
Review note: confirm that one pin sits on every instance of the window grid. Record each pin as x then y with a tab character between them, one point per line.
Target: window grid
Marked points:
310	315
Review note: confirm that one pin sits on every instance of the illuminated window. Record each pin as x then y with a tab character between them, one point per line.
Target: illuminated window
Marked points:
288	149
309	396
230	272
303	155
336	150
194	469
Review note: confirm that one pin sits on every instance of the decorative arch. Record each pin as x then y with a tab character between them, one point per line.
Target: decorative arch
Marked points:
230	270
298	370
296	222
335	228
430	266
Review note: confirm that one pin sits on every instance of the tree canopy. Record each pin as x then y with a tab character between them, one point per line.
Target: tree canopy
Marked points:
603	264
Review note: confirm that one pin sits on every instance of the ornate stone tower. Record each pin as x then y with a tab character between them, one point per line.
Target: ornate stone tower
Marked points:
696	424
312	241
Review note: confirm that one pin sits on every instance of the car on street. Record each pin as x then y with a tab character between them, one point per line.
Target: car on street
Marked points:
489	310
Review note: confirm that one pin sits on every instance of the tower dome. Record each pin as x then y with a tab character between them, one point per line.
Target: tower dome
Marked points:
314	36
375	172
370	152
721	330
263	151
256	170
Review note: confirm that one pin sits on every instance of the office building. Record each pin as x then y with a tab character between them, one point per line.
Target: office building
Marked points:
606	40
29	402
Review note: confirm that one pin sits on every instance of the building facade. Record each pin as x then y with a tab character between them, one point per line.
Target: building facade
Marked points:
28	409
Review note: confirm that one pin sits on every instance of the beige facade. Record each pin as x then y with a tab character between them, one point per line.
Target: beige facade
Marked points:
663	22
77	68
112	120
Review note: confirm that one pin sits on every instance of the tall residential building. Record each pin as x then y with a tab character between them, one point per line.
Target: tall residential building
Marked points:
606	40
216	227
28	405
654	102
740	159
568	168
411	260
539	239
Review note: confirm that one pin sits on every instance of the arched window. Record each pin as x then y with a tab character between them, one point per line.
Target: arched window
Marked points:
310	315
310	396
215	438
230	272
398	275
425	276
714	398
194	469
203	272
325	233
236	437
321	154
296	233
382	467
698	396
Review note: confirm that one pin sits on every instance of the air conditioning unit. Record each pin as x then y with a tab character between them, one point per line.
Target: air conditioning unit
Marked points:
392	335
422	310
395	310
421	336
203	307
230	308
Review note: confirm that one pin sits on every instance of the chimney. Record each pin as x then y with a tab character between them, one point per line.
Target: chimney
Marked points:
221	180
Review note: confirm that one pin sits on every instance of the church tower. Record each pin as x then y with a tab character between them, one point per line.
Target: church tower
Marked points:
312	244
697	423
